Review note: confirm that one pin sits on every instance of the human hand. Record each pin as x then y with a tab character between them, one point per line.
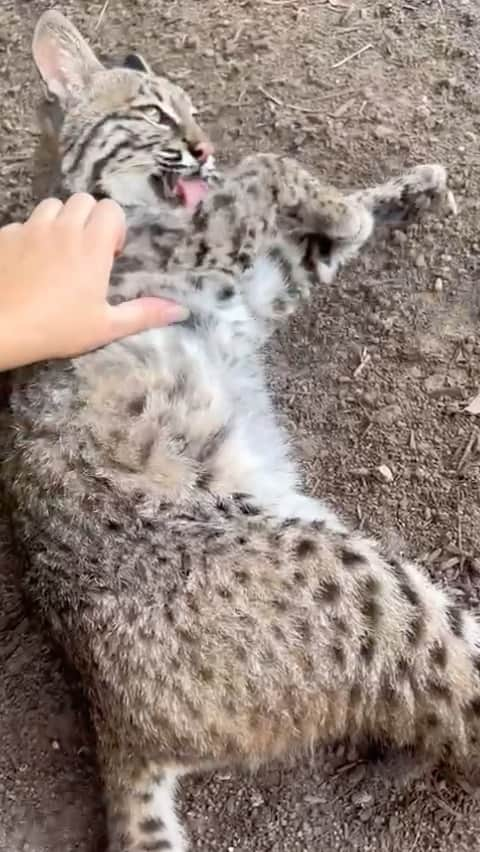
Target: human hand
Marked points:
54	274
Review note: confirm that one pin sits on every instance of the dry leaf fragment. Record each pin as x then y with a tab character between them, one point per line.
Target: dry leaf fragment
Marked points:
473	406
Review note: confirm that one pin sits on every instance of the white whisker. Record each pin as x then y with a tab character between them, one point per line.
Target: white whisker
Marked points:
128	167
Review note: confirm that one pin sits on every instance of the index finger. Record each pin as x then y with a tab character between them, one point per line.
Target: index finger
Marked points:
106	228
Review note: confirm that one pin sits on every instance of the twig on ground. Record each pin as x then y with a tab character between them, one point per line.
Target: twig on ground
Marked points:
331	3
353	55
305	110
433	556
347	13
450	563
343	108
270	97
468	450
365	359
101	15
444	806
459	528
346	30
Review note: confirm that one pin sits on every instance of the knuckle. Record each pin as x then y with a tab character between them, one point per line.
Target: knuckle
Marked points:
110	207
84	197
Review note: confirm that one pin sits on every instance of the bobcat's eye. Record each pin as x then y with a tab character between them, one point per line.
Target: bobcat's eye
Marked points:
156	115
153	113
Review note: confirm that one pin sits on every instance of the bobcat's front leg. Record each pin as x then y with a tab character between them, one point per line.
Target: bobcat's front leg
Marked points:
333	225
336	225
266	198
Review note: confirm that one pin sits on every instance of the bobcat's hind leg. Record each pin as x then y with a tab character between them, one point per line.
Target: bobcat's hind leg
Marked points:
403	198
141	812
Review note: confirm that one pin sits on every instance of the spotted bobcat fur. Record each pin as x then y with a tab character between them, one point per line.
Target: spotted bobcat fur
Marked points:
216	613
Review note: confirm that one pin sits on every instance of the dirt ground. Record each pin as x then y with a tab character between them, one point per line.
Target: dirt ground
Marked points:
377	371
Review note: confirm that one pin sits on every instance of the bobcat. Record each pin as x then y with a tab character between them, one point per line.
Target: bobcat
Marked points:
215	612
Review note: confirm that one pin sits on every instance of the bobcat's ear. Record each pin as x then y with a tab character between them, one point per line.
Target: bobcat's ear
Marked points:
64	60
136	62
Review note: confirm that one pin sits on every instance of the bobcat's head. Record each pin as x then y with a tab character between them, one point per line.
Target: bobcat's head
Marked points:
119	132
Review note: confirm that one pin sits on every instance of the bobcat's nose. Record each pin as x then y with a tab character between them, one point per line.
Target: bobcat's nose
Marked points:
202	150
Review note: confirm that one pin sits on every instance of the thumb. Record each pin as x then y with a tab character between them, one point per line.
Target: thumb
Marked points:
140	314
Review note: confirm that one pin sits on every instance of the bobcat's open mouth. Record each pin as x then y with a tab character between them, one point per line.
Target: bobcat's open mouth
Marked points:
189	190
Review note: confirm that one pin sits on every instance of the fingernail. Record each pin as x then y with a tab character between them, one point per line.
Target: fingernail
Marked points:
176	313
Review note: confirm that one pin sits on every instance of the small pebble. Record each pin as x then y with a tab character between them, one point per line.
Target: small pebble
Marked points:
399	237
385	472
382	132
362	798
389	415
192	42
365	815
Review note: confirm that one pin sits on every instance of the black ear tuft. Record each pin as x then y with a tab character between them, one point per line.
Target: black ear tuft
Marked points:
136	63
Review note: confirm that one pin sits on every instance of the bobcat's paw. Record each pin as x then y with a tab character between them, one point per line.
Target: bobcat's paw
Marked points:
277	282
339	240
403	199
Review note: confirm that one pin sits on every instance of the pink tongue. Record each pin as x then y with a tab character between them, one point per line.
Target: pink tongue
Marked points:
191	191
